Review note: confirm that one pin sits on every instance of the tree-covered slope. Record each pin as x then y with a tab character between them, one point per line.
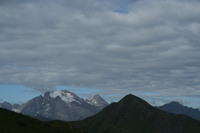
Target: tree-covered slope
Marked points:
11	122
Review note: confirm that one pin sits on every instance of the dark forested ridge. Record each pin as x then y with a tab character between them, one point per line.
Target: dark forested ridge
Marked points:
134	115
11	122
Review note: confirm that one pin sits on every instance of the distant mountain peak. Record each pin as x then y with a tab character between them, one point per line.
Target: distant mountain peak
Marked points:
6	105
175	103
97	96
5	102
59	105
177	108
98	101
65	95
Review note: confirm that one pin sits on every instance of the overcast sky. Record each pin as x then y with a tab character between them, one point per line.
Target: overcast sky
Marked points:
151	47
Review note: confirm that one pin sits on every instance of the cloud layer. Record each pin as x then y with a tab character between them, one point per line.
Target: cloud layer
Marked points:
145	45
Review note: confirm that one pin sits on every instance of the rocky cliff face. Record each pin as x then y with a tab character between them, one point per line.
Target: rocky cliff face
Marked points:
59	105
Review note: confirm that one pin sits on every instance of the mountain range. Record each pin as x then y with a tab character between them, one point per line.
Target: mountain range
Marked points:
134	115
130	115
67	106
59	105
177	108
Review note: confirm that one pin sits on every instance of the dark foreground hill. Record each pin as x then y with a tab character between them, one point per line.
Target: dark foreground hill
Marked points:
133	115
177	108
11	122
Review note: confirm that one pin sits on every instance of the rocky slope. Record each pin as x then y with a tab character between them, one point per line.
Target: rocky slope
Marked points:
59	105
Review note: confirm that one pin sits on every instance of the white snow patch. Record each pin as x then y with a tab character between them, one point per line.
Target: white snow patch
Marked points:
16	110
93	101
65	96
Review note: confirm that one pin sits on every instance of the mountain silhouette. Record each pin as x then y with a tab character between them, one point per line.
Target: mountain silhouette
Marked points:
177	108
134	115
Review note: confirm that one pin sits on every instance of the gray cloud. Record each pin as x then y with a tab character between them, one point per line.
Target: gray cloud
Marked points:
153	47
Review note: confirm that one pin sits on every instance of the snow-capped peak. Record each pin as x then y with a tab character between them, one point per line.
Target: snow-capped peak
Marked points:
97	101
66	96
